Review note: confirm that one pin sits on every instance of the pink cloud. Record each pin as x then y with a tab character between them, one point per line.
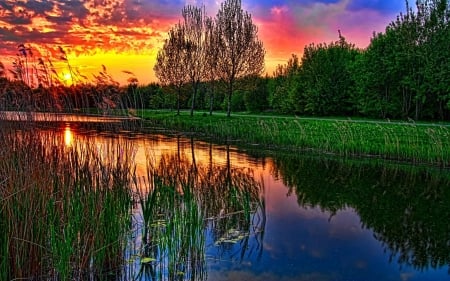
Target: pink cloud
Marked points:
278	10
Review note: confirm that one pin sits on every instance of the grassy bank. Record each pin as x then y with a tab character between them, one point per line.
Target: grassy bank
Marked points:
418	143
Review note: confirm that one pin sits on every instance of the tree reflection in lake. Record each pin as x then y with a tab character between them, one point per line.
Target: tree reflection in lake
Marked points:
183	201
407	207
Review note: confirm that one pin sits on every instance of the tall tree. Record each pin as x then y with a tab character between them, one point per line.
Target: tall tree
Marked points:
241	53
211	57
194	39
326	77
170	67
286	93
410	61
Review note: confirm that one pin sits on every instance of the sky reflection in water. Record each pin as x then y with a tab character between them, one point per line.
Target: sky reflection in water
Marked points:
304	243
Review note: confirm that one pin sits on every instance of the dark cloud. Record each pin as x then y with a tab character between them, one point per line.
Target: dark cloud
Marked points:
14	15
74	8
40	8
59	19
9	35
17	19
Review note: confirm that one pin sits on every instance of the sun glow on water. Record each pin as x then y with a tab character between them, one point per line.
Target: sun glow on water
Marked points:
68	137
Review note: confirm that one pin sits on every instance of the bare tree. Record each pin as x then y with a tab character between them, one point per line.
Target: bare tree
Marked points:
194	26
170	67
240	51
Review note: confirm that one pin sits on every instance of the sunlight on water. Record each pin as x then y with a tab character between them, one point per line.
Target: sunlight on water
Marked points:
68	137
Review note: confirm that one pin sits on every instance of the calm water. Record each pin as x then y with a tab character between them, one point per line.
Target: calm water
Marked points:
307	217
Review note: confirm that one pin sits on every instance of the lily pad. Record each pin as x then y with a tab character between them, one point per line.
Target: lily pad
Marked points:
147	260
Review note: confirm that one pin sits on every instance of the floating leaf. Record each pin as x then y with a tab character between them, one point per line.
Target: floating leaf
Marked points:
147	260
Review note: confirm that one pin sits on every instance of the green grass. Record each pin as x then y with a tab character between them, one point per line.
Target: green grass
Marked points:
403	141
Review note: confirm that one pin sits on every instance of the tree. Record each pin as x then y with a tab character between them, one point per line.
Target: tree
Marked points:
405	71
170	67
326	77
375	78
211	57
286	93
240	51
195	48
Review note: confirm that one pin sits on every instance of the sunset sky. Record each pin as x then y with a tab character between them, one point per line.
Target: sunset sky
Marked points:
126	34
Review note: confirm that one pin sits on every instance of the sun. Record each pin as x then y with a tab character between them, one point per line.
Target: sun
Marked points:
67	76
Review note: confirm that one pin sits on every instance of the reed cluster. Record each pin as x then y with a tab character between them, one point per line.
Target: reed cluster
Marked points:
80	211
65	211
181	204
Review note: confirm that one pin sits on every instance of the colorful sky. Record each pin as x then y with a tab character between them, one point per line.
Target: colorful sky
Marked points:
126	34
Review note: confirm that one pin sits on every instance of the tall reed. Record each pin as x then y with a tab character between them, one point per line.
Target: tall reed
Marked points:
182	203
65	211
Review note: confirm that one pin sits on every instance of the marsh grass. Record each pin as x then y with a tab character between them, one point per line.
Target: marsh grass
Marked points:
64	211
416	143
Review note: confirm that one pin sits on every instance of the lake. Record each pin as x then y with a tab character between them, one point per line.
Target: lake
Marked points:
205	211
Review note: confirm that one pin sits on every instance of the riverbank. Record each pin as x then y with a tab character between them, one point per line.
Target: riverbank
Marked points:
403	141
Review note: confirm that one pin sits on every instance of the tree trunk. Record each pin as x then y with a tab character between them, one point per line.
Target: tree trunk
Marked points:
211	103
178	101
211	98
194	93
229	99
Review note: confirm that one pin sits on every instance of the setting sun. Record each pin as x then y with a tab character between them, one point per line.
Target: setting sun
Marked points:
67	76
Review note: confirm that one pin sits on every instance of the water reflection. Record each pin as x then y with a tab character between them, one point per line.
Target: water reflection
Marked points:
184	203
68	136
406	207
206	212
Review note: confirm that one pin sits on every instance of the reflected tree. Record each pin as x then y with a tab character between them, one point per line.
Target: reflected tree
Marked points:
182	201
407	208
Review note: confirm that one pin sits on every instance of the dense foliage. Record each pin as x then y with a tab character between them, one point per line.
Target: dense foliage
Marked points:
403	73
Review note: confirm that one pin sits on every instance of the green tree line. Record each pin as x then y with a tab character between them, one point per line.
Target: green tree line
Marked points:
404	73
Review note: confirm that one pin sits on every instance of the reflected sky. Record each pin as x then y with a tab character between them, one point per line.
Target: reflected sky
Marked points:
311	244
299	242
